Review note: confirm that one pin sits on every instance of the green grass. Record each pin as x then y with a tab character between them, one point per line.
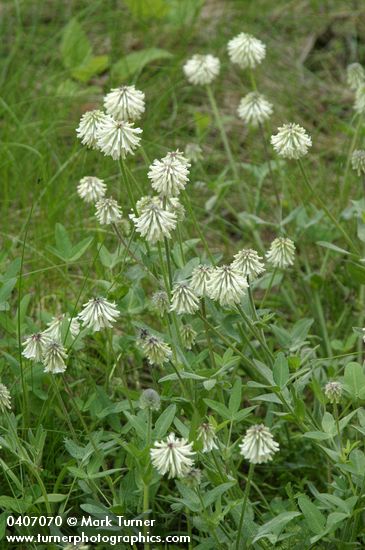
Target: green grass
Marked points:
64	430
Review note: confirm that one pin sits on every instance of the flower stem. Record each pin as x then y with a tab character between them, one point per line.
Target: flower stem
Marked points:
219	123
326	210
146	487
128	186
245	499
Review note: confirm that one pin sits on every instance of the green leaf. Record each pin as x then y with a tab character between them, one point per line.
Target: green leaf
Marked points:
135	62
315	520
80	248
75	45
164	422
328	424
91	67
356	272
219	408
275	525
15	505
320	436
5	293
51	497
333	247
355	380
235	397
214	494
281	370
63	243
146	9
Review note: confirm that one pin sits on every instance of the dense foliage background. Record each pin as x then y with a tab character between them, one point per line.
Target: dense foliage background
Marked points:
79	438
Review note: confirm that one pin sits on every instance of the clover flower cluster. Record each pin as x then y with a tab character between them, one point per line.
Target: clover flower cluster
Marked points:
47	347
356	83
175	456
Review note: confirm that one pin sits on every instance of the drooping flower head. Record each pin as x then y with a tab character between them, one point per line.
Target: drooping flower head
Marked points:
54	358
188	336
35	345
227	285
254	109
248	262
54	327
91	189
359	105
172	457
246	51
206	432
125	103
160	302
281	253
355	76
202	69
358	161
333	391
117	138
156	350
258	446
193	152
184	299
291	141
150	400
98	313
5	398
154	222
90	123
108	211
200	278
170	174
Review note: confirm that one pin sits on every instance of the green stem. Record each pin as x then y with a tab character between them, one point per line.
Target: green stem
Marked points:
146	487
326	210
197	226
128	186
219	123
268	288
345	189
245	499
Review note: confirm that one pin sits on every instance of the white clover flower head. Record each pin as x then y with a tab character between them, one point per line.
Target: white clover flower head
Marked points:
188	336
35	345
5	398
76	547
154	222
200	278
202	69
54	327
169	175
156	350
291	141
108	211
227	285
355	76
184	299
172	457
359	105
117	138
206	432
193	152
246	51
125	103
254	109
193	477
248	262
54	358
150	400
358	161
89	125
98	313
160	302
333	391
91	189
258	446
281	253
